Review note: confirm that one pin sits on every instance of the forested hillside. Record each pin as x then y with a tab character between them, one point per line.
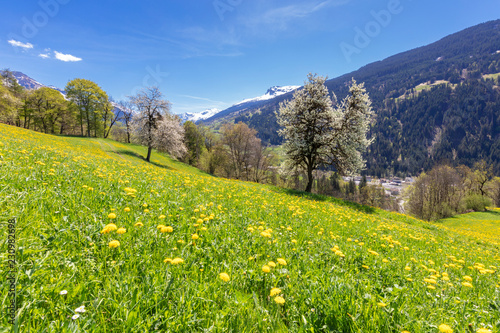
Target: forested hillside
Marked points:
420	122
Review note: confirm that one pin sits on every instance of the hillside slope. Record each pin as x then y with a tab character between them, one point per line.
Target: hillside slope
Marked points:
406	133
201	253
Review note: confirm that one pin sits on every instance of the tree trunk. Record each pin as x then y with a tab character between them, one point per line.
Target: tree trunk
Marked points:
309	178
149	153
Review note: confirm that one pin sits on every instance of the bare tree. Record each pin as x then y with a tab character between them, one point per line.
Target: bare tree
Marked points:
127	116
154	126
150	109
110	115
239	138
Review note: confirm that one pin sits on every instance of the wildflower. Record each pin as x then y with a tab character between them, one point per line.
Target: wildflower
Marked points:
432	281
195	237
126	209
177	261
431	287
382	304
111	216
279	300
467	284
275	291
407	268
168	260
483	330
251	258
294	241
113	244
75	316
139	224
443	328
266	269
63	292
271	264
108	228
281	261
224	277
121	231
80	309
467	278
161	217
373	252
168	229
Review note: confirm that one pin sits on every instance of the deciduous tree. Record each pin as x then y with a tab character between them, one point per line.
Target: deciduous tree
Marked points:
317	134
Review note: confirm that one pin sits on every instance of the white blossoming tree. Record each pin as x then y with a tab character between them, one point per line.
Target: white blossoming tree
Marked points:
153	124
317	134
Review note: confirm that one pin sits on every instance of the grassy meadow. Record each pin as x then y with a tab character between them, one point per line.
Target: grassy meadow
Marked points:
109	243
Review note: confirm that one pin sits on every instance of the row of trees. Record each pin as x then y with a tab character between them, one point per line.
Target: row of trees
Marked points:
85	109
445	191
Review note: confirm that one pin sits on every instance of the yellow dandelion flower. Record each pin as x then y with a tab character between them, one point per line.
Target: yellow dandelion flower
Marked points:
443	328
113	244
111	216
431	287
432	281
139	224
266	269
224	277
195	236
281	261
467	278
271	264
126	209
161	217
275	291
279	300
177	261
121	231
407	268
483	330
382	304
168	260
168	229
467	284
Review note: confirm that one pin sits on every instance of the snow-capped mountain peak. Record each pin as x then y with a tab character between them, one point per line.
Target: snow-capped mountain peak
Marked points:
270	94
194	117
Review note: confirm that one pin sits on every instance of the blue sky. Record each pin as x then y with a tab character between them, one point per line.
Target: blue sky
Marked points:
214	53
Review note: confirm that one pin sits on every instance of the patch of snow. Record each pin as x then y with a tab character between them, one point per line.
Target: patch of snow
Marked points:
194	117
270	94
439	58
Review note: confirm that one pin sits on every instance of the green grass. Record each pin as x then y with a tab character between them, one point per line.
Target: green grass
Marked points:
492	76
480	225
349	268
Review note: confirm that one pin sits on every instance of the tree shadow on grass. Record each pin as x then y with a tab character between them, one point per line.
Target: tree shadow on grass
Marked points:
139	156
337	201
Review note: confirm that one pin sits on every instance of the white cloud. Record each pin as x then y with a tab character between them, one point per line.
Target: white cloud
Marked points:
66	57
44	55
20	44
